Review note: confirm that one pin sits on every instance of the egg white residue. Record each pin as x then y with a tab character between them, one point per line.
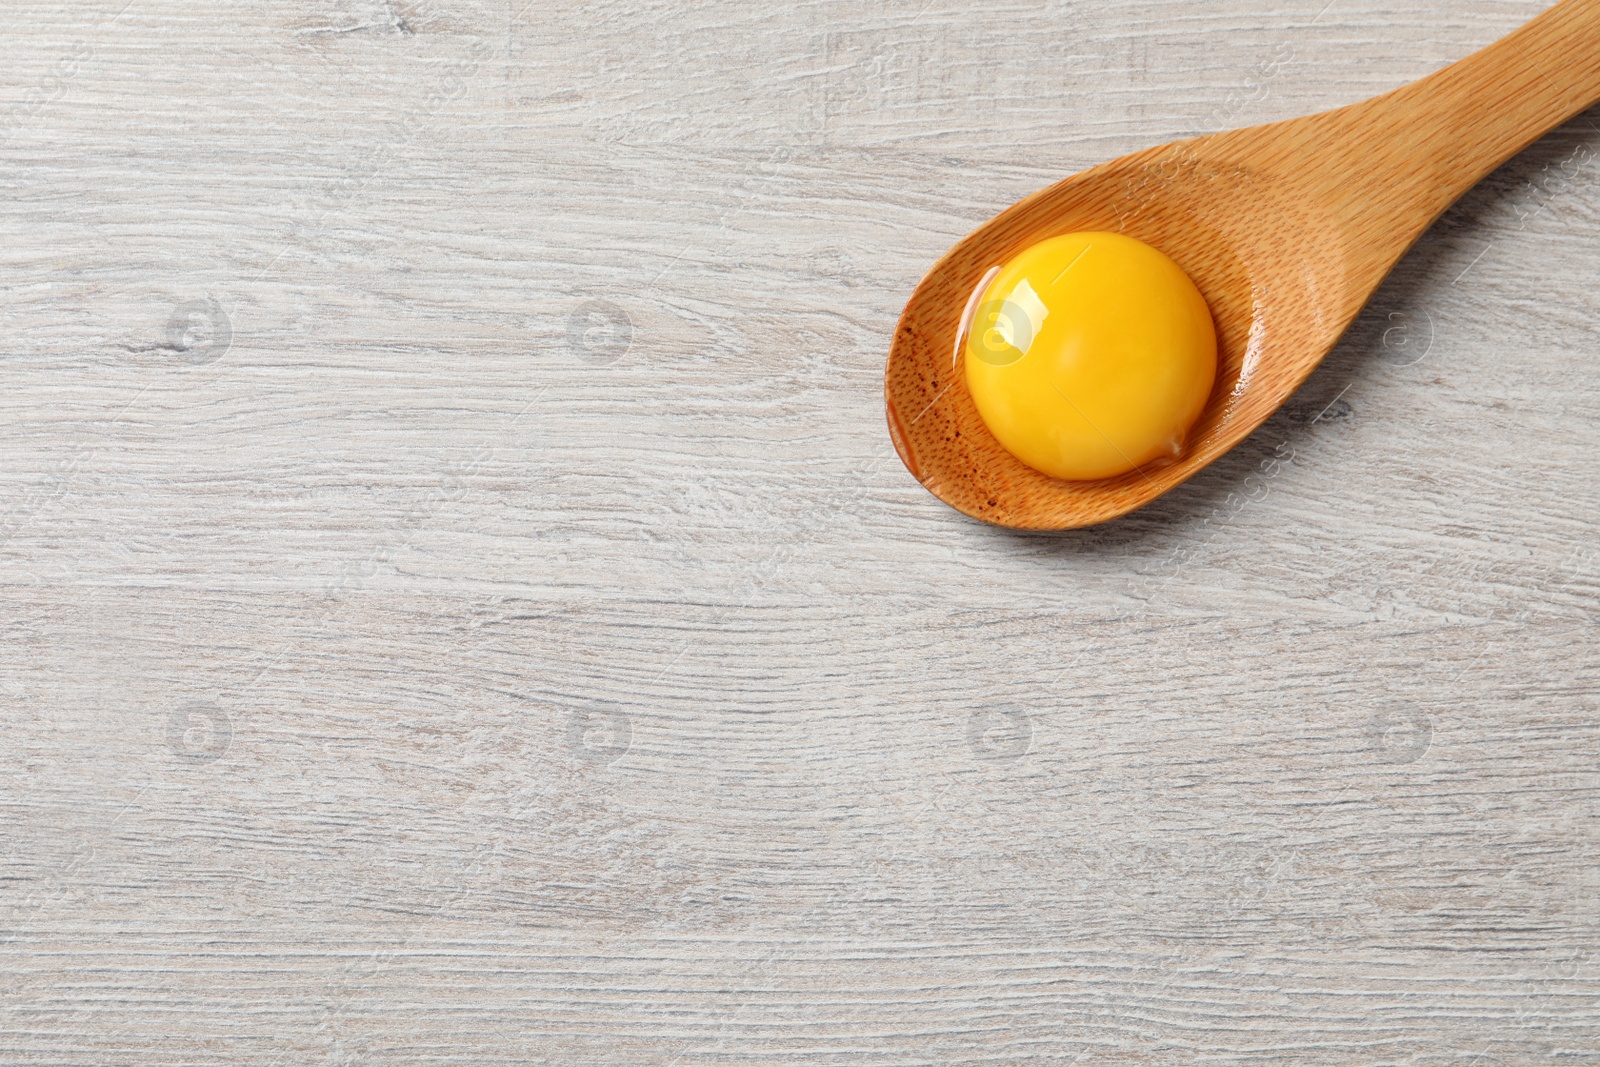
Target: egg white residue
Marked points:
971	313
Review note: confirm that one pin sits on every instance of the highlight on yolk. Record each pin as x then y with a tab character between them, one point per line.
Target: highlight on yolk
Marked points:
1091	355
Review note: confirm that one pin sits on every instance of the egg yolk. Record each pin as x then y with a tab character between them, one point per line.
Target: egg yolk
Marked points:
1091	355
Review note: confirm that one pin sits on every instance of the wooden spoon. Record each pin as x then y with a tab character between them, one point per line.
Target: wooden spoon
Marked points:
1287	229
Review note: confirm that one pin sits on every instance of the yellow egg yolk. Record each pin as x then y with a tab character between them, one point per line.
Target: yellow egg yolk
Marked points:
1091	355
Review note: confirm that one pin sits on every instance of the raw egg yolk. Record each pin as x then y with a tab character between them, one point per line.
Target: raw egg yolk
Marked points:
1091	355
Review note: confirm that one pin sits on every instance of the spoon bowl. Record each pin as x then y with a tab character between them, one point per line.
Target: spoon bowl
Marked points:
1286	230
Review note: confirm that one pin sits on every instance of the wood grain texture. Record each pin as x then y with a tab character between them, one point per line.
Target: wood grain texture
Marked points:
1286	230
460	604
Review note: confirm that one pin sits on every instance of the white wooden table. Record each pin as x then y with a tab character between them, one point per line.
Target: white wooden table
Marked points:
461	605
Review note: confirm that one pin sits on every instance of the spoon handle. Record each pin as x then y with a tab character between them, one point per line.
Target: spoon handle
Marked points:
1412	153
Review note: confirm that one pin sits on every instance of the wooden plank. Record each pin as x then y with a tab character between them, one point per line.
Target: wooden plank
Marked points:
460	603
